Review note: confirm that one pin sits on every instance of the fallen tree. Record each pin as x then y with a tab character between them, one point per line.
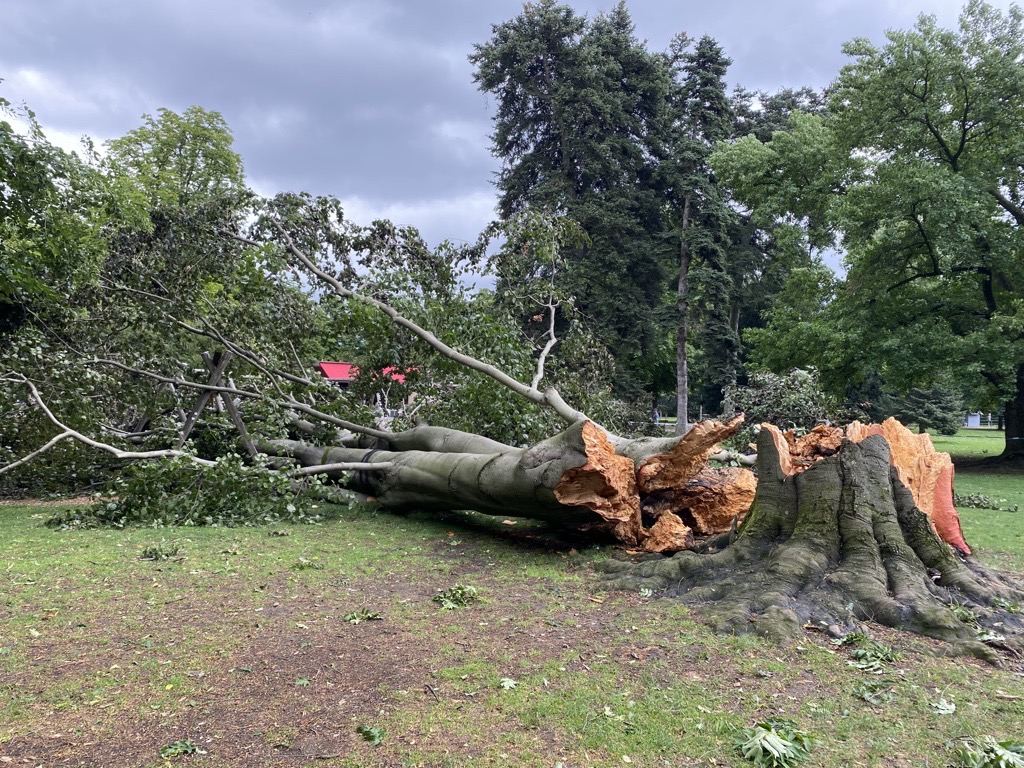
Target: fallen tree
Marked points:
844	526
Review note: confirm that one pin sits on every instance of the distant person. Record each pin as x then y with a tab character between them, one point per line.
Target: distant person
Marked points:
657	416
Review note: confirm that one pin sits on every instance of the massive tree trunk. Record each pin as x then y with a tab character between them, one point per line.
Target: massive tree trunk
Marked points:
846	525
1014	421
639	490
837	541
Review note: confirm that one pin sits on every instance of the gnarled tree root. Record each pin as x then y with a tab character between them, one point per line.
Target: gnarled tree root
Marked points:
838	544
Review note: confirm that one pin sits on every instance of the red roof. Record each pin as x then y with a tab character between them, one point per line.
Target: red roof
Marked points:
339	371
347	372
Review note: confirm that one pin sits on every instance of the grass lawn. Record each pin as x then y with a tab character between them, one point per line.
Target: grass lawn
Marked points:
997	533
260	647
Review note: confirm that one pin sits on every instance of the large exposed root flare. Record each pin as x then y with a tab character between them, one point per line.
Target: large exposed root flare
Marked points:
835	543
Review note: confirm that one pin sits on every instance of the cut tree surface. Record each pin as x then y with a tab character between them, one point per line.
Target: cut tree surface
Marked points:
710	503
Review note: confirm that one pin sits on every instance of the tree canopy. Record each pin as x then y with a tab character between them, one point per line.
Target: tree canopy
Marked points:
915	171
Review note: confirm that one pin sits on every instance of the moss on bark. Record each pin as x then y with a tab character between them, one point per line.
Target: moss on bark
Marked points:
838	544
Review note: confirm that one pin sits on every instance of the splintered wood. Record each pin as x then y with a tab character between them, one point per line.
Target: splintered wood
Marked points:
683	496
606	484
710	502
610	486
927	473
687	459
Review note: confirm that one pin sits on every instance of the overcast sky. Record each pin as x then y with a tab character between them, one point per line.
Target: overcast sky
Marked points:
369	100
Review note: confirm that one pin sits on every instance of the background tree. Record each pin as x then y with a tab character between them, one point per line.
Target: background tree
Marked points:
699	213
578	126
919	168
936	408
50	220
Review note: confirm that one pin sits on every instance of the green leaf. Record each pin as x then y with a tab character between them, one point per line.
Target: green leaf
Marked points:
372	734
179	748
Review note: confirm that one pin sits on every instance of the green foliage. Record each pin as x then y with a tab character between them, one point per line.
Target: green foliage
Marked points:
916	169
875	691
80	396
775	744
362	614
986	752
794	401
580	124
181	492
307	564
458	596
51	215
872	656
935	408
160	552
179	748
372	734
982	501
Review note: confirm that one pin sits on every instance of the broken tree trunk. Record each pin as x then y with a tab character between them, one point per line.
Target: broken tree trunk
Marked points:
843	526
578	477
833	541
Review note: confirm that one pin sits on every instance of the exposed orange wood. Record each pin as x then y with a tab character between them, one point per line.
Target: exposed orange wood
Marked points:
668	535
686	459
926	472
606	484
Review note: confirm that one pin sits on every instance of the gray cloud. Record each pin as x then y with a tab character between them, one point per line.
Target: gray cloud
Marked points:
370	100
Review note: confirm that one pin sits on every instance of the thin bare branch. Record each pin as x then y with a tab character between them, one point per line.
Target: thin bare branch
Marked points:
38	452
71	434
344	466
552	340
290	403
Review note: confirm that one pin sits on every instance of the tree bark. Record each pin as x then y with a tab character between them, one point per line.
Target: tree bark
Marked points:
841	542
682	370
578	477
1014	421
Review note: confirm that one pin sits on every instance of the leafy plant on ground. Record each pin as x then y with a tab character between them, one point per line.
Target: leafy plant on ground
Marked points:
983	501
179	748
963	613
361	615
872	656
372	734
875	691
180	492
306	564
775	744
986	752
160	552
458	596
1006	605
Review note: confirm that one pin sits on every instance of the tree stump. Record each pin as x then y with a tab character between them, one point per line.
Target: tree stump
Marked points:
834	540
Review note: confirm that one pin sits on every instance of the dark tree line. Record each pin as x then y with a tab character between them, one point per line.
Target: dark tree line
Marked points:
591	123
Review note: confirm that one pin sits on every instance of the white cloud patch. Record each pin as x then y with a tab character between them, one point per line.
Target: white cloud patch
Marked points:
459	219
465	139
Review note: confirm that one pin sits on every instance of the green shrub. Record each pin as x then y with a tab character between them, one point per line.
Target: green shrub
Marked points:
181	492
986	752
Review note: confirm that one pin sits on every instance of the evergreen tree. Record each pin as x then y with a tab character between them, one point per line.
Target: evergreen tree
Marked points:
580	125
699	215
